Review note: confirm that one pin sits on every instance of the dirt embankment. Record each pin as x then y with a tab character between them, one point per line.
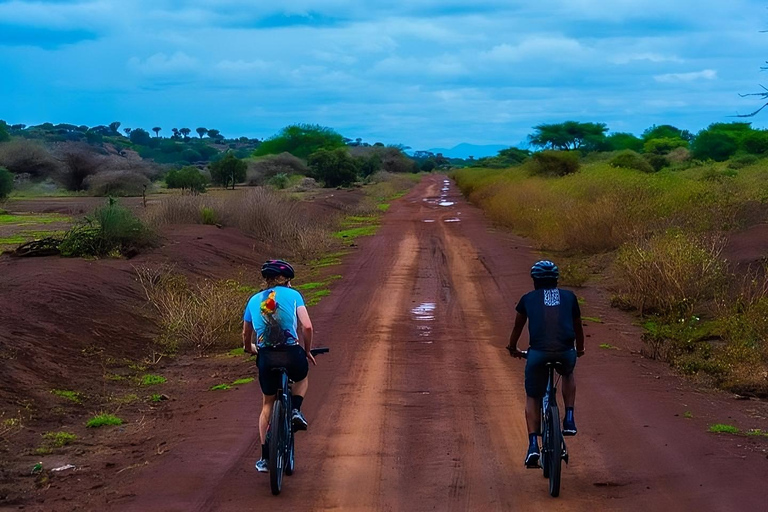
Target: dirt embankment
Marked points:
84	327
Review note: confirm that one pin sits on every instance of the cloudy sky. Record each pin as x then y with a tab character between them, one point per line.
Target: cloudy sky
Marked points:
425	73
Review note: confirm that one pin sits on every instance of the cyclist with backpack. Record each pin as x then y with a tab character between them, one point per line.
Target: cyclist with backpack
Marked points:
274	316
555	334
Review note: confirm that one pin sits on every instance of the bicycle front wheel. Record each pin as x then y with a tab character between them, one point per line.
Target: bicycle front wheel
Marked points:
554	450
278	428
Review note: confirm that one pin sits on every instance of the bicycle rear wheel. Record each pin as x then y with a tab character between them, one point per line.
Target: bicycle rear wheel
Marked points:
278	437
555	450
290	464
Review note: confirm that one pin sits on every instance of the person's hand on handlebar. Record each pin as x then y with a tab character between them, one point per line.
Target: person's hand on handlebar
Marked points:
311	357
515	352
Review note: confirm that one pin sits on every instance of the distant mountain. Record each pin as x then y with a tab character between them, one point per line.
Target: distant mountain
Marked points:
465	150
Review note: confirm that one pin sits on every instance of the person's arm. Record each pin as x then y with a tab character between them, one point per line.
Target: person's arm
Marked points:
579	329
248	345
306	331
517	330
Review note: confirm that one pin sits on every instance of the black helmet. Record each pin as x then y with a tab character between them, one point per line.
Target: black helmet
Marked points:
545	269
274	268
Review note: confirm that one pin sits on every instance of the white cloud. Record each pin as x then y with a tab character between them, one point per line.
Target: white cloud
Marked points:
242	66
553	48
706	74
647	56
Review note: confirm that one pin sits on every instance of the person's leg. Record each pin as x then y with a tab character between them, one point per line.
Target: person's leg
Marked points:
569	390
266	412
533	414
299	390
535	386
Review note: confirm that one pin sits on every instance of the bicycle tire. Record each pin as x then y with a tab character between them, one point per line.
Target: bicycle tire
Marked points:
555	458
277	446
291	462
545	434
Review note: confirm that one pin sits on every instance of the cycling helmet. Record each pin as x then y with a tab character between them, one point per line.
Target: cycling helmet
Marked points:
274	268
544	269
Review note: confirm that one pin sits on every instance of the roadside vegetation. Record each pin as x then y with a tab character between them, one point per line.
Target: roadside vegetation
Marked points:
656	211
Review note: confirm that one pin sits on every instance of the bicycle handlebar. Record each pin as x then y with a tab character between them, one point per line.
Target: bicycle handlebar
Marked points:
512	352
316	351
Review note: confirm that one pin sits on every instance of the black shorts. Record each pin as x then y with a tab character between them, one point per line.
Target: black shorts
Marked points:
536	369
293	358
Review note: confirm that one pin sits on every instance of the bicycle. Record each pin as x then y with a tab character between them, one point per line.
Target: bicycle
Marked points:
553	450
280	435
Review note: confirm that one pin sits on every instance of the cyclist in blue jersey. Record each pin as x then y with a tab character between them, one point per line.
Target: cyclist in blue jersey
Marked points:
274	316
555	334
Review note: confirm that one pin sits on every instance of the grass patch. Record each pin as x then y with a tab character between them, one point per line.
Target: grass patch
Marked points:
32	218
152	380
688	415
58	439
593	319
114	377
313	299
310	286
220	387
756	432
383	206
240	382
720	428
351	234
235	352
126	399
72	396
608	346
329	260
103	420
156	398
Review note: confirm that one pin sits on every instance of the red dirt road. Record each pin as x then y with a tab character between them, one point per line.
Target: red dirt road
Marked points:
419	407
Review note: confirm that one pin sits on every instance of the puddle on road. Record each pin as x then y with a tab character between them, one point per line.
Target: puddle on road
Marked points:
424	311
446	203
452	220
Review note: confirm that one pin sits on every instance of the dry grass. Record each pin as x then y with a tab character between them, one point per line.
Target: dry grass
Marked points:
671	274
264	214
200	317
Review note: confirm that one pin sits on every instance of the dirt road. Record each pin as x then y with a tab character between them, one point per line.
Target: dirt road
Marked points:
419	407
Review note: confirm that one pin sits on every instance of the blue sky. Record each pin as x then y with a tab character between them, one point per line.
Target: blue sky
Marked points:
422	73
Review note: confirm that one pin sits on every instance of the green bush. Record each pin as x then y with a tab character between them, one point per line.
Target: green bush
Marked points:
664	145
713	145
187	178
333	167
629	159
6	182
554	163
208	216
279	181
739	162
229	169
656	161
111	228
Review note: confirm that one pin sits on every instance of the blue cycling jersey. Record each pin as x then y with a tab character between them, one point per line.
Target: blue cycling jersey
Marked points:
272	312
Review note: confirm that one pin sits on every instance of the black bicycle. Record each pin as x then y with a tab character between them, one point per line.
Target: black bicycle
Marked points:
280	436
553	450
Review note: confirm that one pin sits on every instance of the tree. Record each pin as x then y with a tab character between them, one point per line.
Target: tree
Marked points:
6	183
301	140
4	136
156	129
201	131
620	141
569	135
127	131
185	132
663	145
666	131
175	132
229	169
215	134
335	167
187	178
114	127
714	145
140	137
756	142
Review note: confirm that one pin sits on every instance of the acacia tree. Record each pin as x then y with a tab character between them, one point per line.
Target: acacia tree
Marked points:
156	129
569	135
301	140
201	131
185	132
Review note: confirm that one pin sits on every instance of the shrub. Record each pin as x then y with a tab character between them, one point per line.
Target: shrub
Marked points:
187	178
58	439
756	142
111	228
679	155
204	316
714	145
301	140
672	273
152	380
279	181
22	156
629	159
656	161
117	183
663	145
335	167
739	162
6	183
79	162
208	216
554	163
261	170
